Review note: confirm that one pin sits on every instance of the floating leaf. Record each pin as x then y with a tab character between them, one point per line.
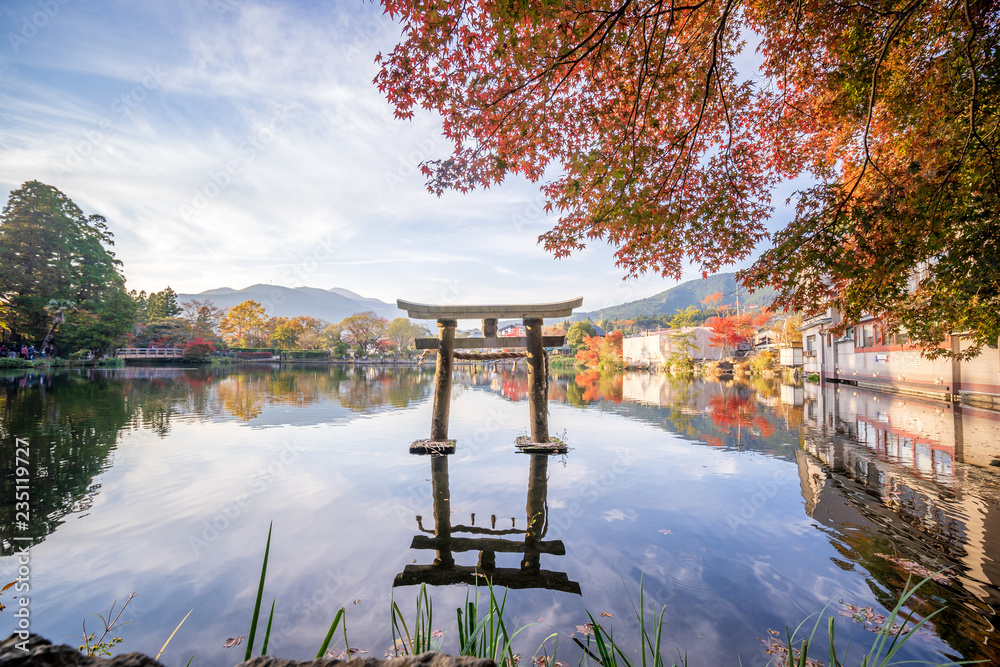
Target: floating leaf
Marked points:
916	568
233	641
437	634
665	531
357	602
608	614
779	650
585	630
8	586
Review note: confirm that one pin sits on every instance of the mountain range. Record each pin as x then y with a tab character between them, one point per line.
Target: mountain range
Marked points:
334	304
331	305
681	296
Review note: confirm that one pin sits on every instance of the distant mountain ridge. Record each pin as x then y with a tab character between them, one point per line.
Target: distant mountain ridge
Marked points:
686	294
331	305
336	303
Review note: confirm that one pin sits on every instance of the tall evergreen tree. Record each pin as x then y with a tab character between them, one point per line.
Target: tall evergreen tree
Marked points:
50	252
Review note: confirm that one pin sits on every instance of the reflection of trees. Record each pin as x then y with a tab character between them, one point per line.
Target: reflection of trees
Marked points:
734	412
598	386
71	424
242	396
366	389
246	392
72	421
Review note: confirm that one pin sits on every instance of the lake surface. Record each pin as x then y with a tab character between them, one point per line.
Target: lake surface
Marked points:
741	506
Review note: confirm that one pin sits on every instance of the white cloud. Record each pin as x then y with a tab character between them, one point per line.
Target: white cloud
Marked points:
226	146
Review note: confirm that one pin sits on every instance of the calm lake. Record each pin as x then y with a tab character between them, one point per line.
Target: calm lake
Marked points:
741	506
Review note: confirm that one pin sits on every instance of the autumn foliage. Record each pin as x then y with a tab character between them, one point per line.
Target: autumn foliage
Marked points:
886	112
728	331
602	351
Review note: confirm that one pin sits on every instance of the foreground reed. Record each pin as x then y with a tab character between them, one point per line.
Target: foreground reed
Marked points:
483	632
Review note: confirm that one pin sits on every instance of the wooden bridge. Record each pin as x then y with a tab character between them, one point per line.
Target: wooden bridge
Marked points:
149	352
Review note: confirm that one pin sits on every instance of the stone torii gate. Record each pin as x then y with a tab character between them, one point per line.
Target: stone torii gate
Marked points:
533	342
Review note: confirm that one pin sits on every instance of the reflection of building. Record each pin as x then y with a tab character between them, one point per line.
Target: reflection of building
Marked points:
445	539
875	466
917	429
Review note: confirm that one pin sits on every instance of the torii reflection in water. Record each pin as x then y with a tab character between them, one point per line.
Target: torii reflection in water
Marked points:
444	541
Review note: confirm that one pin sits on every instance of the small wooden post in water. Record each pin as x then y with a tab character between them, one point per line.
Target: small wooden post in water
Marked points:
442	380
537	373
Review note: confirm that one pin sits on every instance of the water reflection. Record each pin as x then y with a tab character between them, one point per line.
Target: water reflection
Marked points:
74	420
902	486
859	487
489	541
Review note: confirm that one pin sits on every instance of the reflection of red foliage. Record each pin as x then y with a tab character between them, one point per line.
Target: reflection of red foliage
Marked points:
514	386
729	412
712	441
600	386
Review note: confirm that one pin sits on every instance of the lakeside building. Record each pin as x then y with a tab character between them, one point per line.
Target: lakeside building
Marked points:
866	356
653	349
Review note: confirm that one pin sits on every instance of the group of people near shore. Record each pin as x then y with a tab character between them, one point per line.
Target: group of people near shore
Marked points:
26	351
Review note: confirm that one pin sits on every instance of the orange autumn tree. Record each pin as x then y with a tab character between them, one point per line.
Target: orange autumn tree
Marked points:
646	134
604	352
728	331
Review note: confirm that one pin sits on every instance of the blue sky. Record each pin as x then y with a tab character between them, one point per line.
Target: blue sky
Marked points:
234	142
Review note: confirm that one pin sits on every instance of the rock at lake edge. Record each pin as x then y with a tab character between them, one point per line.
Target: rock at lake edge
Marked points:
42	653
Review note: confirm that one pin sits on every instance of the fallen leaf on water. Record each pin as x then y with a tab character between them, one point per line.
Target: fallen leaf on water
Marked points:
540	619
357	602
916	568
780	652
233	641
437	634
414	560
2	607
665	531
585	629
608	614
8	586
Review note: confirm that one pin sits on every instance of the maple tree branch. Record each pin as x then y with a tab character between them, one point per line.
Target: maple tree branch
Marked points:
973	106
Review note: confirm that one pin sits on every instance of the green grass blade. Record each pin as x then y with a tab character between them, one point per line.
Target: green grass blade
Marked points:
267	632
329	635
260	594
